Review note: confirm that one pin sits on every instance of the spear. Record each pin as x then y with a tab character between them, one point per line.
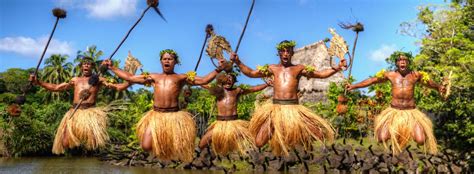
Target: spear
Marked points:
245	26
151	4
95	78
59	14
341	107
357	27
228	65
209	29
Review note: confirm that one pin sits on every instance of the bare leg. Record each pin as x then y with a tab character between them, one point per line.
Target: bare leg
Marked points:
206	139
146	141
263	135
65	139
383	135
419	134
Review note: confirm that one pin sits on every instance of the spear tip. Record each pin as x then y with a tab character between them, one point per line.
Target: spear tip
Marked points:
209	29
59	13
357	27
153	3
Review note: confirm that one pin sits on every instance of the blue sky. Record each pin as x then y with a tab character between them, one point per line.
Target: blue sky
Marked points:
25	25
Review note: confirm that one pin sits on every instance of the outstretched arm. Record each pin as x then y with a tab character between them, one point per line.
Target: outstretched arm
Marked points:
365	83
320	74
115	86
50	86
141	79
426	81
245	69
196	80
311	73
254	89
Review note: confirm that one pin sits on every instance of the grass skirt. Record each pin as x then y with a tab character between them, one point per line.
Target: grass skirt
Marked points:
401	125
173	134
293	125
230	136
87	126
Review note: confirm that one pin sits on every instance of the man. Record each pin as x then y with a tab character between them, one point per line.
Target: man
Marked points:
284	123
166	131
88	124
228	133
402	121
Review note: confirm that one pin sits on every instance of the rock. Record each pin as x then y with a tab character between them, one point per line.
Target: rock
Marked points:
442	169
275	164
383	170
455	168
436	160
373	171
382	165
198	164
123	162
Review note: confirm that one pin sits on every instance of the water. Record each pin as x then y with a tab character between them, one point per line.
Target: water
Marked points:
79	165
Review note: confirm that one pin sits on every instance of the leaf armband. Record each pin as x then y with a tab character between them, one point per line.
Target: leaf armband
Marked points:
191	75
425	77
309	68
146	76
265	70
380	74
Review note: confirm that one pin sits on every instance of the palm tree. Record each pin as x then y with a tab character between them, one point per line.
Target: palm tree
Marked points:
56	71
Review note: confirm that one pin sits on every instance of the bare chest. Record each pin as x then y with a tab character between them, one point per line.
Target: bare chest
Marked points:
286	76
399	81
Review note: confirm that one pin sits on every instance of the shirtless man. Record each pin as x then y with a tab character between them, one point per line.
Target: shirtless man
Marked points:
402	121
88	124
285	123
166	131
228	133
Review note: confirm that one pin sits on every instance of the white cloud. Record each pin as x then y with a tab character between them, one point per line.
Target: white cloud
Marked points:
33	47
383	52
103	9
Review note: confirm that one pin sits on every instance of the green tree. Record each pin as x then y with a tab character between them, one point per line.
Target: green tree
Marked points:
57	71
15	80
448	46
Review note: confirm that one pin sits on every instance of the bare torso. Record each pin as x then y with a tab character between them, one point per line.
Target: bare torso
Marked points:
403	89
166	89
227	105
285	82
80	84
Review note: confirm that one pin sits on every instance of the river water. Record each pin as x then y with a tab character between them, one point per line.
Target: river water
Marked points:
79	165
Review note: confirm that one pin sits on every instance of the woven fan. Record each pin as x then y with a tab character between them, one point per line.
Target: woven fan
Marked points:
216	47
132	64
338	46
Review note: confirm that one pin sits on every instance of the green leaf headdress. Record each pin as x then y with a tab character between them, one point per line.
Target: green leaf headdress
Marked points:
86	59
286	44
171	52
392	60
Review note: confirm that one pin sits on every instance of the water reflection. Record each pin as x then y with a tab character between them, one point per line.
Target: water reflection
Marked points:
79	165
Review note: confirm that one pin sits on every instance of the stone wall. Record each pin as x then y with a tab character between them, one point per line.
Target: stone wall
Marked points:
313	90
